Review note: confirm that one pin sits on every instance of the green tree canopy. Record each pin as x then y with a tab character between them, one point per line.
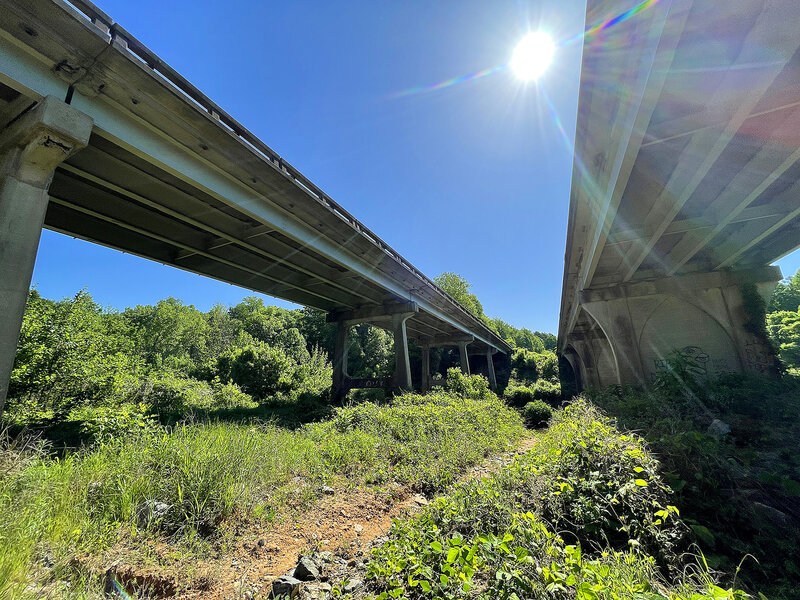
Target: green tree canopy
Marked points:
786	295
458	288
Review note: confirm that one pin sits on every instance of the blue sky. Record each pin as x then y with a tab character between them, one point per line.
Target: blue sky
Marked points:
472	178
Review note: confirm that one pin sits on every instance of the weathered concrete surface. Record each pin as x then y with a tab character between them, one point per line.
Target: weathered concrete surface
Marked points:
30	149
637	325
686	163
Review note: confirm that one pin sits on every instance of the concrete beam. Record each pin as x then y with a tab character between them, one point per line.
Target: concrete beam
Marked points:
452	339
30	149
366	314
772	28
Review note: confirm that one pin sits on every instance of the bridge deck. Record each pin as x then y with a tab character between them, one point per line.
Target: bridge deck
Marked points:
686	155
168	175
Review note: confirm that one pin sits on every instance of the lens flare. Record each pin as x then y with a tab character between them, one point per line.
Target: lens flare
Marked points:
533	55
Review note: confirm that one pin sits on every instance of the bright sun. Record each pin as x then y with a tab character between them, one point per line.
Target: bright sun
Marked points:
532	55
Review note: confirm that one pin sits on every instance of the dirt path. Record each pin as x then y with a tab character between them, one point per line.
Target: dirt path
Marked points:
344	523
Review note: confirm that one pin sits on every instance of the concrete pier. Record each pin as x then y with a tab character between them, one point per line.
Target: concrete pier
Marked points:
31	147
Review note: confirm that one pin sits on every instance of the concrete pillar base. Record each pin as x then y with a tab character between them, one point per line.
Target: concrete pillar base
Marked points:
30	150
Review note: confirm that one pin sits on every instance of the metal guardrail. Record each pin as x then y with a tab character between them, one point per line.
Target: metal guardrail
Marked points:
123	39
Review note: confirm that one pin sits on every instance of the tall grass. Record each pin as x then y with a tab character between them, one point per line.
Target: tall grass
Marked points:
205	473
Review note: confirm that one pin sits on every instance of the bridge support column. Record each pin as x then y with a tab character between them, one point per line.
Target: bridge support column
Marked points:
426	368
490	369
340	361
402	368
389	315
30	149
462	350
712	316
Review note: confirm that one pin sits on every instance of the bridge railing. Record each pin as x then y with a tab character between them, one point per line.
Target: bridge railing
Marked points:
120	37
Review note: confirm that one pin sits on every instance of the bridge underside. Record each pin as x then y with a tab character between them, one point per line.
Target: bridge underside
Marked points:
685	186
101	140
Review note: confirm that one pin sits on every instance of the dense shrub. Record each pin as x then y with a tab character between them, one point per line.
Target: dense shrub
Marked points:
69	353
497	537
537	413
735	491
523	364
519	395
547	391
547	366
467	386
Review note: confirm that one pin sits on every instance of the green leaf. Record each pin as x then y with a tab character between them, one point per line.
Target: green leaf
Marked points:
452	554
641	482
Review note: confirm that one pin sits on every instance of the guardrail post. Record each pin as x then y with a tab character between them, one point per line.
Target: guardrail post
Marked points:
30	150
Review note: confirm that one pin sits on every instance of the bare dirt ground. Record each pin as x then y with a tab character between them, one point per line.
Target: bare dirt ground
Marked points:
252	556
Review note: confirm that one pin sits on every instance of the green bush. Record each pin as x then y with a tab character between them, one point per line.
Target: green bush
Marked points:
467	386
732	490
547	391
106	423
537	413
547	365
497	537
523	365
519	395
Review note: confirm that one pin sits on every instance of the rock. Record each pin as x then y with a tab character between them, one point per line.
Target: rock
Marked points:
317	591
718	429
352	586
420	499
262	542
306	569
327	490
325	556
151	511
358	528
285	586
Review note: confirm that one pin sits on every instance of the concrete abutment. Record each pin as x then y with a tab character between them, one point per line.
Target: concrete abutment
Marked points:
629	330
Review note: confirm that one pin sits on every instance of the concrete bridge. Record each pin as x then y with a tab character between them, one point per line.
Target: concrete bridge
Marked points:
101	140
685	184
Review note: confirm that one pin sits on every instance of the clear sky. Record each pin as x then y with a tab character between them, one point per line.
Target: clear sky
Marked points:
471	177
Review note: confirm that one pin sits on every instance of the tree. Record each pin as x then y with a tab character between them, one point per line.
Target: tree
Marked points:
169	332
69	353
784	329
458	288
786	296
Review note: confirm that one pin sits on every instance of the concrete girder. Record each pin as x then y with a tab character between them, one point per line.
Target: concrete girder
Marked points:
30	149
771	28
731	202
233	233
